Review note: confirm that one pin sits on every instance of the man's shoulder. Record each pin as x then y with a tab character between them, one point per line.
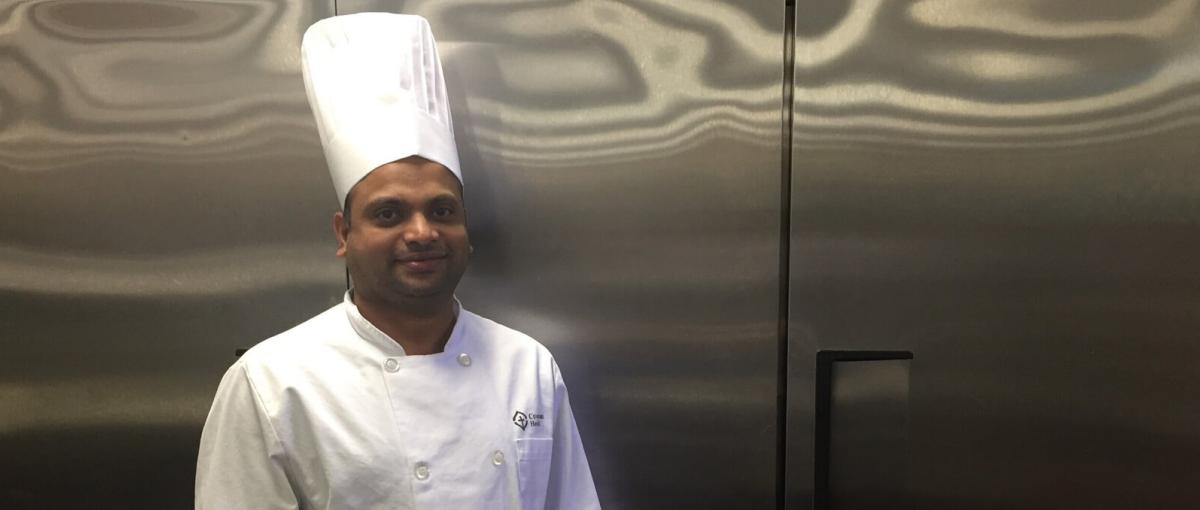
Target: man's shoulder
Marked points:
296	360
501	337
300	341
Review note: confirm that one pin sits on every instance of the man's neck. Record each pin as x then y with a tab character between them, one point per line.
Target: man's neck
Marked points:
420	328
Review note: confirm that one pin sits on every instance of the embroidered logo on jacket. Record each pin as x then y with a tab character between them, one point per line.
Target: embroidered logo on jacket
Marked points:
524	420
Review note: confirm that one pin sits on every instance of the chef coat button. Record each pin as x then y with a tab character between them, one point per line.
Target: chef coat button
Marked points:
391	365
464	360
498	458
422	471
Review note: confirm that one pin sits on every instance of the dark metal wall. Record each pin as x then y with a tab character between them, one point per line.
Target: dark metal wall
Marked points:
1009	190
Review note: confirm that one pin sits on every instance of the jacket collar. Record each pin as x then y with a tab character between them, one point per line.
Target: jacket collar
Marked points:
387	344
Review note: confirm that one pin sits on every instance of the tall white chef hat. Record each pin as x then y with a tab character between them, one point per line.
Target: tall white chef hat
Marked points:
375	85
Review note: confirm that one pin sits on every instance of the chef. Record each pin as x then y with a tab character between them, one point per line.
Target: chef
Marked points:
398	397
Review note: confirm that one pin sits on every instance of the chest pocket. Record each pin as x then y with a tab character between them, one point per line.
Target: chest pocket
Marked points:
533	470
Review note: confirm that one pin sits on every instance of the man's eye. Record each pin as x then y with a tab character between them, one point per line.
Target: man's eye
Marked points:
443	212
386	214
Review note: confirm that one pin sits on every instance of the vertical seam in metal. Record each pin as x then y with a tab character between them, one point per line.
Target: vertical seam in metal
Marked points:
347	268
785	202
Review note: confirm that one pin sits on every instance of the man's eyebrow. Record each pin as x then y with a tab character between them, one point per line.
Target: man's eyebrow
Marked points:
442	198
445	197
385	201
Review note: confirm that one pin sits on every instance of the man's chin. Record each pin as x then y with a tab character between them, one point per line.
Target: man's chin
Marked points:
423	294
437	284
422	290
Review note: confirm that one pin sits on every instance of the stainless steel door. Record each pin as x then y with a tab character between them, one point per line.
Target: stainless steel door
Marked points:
622	166
1010	191
164	201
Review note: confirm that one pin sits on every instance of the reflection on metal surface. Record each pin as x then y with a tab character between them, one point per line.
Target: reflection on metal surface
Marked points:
207	274
164	202
570	85
1009	190
114	81
119	400
1060	20
101	21
996	74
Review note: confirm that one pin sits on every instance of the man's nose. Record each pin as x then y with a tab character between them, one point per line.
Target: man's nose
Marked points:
419	230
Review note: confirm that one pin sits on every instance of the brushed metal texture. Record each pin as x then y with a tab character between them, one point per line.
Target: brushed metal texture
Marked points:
621	165
1008	190
164	201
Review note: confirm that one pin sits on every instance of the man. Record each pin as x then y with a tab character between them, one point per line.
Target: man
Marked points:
397	397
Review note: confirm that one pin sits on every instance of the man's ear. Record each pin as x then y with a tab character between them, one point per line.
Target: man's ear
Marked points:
340	230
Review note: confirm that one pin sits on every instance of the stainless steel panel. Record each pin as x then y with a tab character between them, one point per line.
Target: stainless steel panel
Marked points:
1009	190
163	201
622	174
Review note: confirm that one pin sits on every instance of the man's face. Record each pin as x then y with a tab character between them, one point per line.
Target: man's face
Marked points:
407	234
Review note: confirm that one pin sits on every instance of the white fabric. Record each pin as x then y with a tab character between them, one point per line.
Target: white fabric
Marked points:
319	418
376	88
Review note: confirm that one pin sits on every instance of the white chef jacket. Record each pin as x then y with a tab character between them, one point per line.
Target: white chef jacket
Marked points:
332	415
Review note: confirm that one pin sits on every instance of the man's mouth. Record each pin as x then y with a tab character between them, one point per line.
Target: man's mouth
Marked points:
422	262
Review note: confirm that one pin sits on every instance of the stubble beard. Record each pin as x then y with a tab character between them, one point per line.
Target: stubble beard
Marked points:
399	290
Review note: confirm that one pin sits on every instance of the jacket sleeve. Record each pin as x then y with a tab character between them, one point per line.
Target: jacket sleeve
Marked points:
570	486
242	462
